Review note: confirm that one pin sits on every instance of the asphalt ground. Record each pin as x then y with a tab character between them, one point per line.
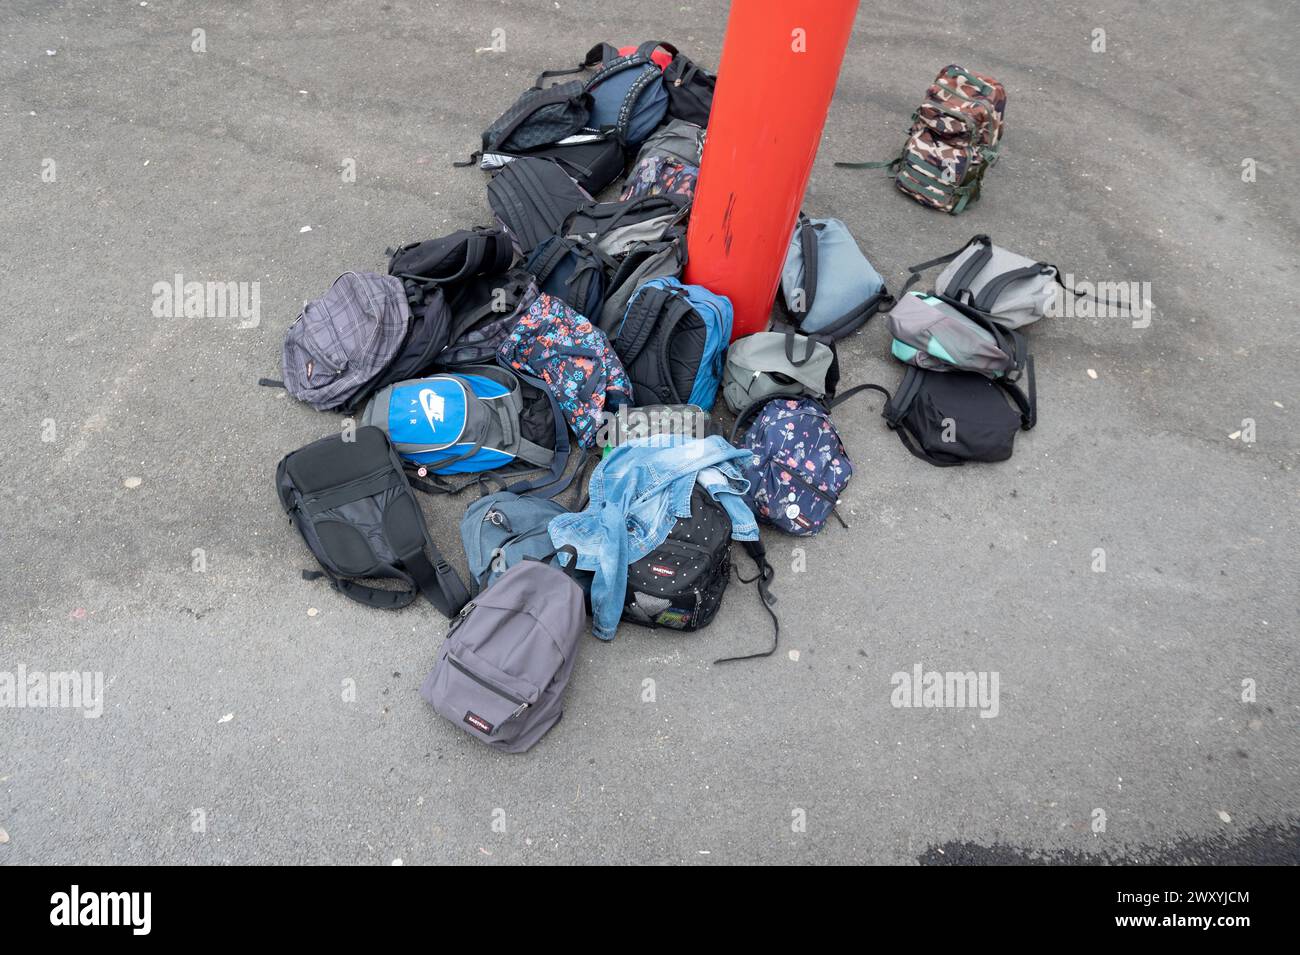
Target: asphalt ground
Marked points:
142	538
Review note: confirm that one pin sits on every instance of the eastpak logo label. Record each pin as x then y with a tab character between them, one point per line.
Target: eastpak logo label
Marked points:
476	721
662	571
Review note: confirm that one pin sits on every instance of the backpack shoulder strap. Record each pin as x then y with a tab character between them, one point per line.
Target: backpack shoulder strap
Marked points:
988	295
834	403
438	581
676	308
748	412
1028	404
764	580
548	257
364	593
638	325
808	246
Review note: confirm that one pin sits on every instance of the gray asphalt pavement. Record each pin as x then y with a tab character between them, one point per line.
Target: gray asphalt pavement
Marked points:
142	538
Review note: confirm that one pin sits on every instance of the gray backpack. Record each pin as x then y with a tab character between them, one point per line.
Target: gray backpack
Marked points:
679	140
614	228
769	364
502	671
1011	289
829	288
345	339
942	334
643	261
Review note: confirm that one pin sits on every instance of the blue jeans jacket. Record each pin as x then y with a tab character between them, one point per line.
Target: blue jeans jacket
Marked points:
637	494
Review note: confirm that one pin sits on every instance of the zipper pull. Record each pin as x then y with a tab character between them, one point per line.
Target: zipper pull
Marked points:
519	709
460	618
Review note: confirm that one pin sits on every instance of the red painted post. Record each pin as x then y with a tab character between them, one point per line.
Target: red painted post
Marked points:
780	62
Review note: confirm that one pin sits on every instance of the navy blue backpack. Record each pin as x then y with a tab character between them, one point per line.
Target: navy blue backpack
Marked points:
798	466
627	91
572	271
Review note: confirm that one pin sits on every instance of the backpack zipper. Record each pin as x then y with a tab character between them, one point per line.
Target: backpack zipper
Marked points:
521	704
460	618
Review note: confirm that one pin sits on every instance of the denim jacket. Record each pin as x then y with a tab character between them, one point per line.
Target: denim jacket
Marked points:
637	494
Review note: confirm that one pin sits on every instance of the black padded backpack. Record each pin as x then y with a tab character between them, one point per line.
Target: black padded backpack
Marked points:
453	258
539	117
661	342
353	505
533	198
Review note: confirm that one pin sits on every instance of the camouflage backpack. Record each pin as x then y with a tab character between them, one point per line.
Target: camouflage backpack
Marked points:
953	140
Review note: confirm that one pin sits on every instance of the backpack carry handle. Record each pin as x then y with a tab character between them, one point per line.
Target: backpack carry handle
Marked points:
983	257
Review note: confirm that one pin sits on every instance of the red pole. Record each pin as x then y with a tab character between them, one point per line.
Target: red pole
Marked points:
780	62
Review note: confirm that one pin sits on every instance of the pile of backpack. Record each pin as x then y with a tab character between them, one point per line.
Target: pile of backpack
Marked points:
495	358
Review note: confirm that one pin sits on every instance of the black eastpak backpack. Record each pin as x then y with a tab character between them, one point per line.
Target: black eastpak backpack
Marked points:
679	585
355	509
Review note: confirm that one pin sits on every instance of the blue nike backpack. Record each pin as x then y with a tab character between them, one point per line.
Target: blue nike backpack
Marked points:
483	418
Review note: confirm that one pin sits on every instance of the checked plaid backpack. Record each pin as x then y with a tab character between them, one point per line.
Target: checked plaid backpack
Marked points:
952	143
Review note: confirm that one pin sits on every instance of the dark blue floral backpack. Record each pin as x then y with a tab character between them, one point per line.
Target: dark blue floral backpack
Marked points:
798	467
573	359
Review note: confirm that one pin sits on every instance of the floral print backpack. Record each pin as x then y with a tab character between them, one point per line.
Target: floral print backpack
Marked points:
573	359
798	467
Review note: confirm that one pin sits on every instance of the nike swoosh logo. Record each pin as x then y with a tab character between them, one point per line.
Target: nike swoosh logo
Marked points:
432	403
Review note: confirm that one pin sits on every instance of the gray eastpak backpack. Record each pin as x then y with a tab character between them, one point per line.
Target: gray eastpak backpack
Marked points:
502	671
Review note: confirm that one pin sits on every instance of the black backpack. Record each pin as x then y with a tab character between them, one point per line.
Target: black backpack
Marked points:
572	270
950	417
679	584
532	198
355	509
453	258
540	117
484	310
592	160
690	90
661	342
